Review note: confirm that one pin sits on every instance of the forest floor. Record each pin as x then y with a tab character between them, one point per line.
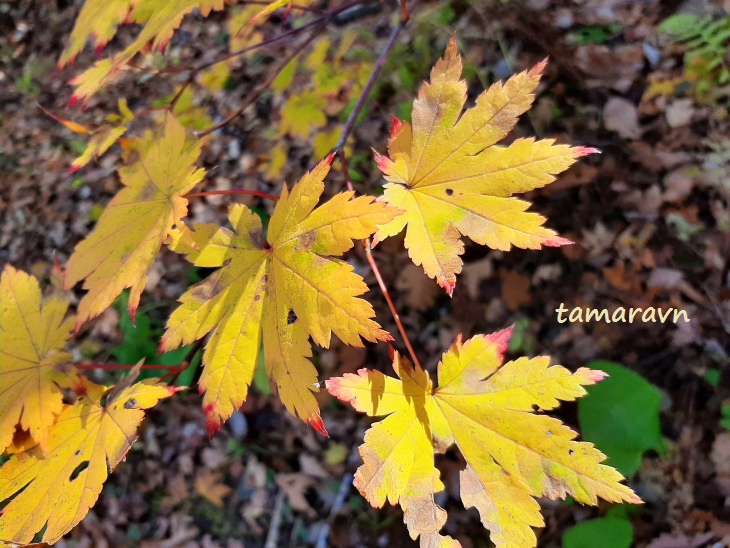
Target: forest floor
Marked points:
650	218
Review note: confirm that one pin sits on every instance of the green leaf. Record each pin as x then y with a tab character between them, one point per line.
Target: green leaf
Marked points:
608	532
621	416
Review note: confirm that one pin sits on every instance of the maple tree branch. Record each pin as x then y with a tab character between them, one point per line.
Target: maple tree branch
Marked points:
232	191
373	265
258	90
175	371
83	366
377	69
268	2
323	19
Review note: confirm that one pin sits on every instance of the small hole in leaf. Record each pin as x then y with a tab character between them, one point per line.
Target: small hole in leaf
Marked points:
535	408
77	453
570	451
549	433
131	403
80	468
291	318
449	192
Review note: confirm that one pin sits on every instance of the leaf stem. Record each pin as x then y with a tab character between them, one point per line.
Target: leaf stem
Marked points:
231	191
377	69
265	83
384	289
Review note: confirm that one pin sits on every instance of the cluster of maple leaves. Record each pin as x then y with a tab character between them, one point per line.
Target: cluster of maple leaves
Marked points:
275	289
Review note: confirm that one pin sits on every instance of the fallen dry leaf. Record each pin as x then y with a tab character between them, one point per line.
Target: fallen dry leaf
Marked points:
209	486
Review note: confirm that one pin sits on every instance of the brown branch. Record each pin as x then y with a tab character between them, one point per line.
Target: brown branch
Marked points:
233	191
384	290
265	84
377	69
83	366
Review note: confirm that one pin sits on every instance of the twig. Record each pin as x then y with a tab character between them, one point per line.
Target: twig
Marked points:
339	502
265	84
384	290
272	538
175	371
267	2
231	191
83	366
377	68
190	79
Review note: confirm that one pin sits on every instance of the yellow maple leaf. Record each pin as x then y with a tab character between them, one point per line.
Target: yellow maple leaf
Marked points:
485	407
105	136
96	21
33	368
122	247
160	19
277	291
452	180
87	441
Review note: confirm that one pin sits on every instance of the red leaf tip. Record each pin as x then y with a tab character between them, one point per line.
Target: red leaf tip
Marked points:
73	100
585	151
72	170
448	286
317	423
212	420
557	241
330	158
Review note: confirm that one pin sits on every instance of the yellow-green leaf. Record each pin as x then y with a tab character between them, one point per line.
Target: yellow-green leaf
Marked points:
96	21
105	136
485	407
122	247
57	488
33	367
446	171
278	292
160	19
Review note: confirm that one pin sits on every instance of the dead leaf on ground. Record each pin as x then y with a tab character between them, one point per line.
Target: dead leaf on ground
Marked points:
209	486
295	486
515	290
620	115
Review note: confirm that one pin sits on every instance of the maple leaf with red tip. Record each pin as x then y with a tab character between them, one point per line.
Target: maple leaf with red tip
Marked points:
271	294
447	173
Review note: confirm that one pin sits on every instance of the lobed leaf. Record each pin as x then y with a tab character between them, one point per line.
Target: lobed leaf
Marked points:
485	407
275	291
122	247
446	171
159	17
55	489
33	366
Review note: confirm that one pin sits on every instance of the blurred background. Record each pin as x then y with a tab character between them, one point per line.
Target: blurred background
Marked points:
645	81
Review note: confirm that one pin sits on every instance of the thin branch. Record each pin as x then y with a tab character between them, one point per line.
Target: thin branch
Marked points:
384	289
267	2
232	191
83	366
175	371
292	32
377	68
190	79
265	84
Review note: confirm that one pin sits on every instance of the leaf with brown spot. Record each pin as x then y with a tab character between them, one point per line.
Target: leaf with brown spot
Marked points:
276	294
